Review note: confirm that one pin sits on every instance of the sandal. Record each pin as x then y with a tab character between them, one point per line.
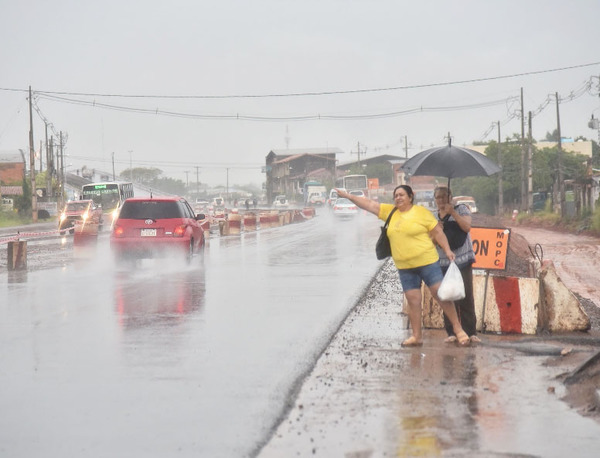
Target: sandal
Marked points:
412	342
463	339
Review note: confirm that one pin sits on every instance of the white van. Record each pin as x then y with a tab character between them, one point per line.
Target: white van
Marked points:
333	195
466	200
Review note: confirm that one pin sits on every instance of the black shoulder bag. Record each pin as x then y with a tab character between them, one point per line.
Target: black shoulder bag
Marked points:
455	235
382	248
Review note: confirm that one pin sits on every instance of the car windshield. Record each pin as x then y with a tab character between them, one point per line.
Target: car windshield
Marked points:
77	206
150	209
343	201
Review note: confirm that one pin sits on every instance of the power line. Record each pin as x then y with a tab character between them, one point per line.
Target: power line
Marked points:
243	117
322	93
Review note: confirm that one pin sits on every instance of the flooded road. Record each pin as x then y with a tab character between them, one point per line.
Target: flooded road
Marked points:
247	352
166	359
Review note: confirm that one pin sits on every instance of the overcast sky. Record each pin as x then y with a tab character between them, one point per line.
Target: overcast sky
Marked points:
201	73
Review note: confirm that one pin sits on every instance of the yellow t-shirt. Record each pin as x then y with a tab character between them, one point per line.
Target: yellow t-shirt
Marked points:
409	236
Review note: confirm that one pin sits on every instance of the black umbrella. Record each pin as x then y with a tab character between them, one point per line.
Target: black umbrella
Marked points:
451	162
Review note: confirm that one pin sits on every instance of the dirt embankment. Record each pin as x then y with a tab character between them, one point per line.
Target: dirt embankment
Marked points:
576	257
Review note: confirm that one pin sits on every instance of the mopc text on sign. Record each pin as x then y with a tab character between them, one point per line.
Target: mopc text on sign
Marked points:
490	246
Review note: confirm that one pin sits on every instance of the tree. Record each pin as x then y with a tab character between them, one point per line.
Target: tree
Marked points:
552	137
170	185
383	172
144	175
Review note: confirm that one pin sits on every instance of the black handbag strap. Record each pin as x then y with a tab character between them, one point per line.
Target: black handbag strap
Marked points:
387	221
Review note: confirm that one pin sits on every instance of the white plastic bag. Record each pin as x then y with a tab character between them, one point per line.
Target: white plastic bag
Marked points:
452	287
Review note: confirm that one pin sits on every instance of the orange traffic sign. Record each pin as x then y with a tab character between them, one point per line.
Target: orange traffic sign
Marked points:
491	247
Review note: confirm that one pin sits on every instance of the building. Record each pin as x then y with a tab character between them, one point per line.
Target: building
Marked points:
12	167
288	169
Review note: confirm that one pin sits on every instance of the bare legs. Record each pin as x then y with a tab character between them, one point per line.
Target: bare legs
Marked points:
414	299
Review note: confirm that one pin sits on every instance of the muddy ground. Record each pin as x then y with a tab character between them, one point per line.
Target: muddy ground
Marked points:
577	260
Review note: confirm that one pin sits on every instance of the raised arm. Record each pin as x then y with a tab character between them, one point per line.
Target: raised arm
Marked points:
362	202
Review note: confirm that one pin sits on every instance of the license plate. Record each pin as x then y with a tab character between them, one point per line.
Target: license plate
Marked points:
148	233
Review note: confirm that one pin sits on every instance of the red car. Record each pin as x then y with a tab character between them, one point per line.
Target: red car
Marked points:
156	226
80	212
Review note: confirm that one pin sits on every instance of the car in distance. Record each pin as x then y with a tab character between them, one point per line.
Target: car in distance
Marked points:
466	200
157	226
333	195
80	212
357	192
344	208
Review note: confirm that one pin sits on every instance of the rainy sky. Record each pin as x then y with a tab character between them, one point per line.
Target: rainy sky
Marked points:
210	87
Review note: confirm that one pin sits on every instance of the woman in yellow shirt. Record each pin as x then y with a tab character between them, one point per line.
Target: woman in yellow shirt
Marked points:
411	230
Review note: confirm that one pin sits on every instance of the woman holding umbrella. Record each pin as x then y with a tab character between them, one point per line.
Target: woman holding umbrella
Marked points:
411	230
456	224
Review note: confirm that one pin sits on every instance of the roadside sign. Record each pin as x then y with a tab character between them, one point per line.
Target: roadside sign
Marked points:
490	246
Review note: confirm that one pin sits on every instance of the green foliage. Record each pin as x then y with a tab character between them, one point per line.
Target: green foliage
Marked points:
596	221
23	203
170	185
12	218
144	175
545	169
383	172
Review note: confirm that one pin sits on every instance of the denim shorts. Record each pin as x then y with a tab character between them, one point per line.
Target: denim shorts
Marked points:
411	278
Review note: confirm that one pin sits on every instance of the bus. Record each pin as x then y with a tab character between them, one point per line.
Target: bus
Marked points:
109	195
352	183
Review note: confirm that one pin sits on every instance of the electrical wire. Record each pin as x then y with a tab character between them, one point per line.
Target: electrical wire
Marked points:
321	93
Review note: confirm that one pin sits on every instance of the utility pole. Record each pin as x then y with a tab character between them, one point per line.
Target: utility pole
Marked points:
48	165
523	155
500	183
62	170
227	191
561	182
358	154
34	213
113	165
530	168
51	172
406	147
197	181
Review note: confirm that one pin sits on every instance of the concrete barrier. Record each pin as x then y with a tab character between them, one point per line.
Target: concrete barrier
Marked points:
518	305
511	305
85	235
235	224
250	222
308	212
563	312
17	255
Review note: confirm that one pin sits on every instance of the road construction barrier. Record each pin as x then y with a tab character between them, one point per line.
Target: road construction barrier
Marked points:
502	304
563	312
235	224
308	212
85	234
517	305
250	222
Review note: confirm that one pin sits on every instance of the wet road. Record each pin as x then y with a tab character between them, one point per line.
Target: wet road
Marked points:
169	359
